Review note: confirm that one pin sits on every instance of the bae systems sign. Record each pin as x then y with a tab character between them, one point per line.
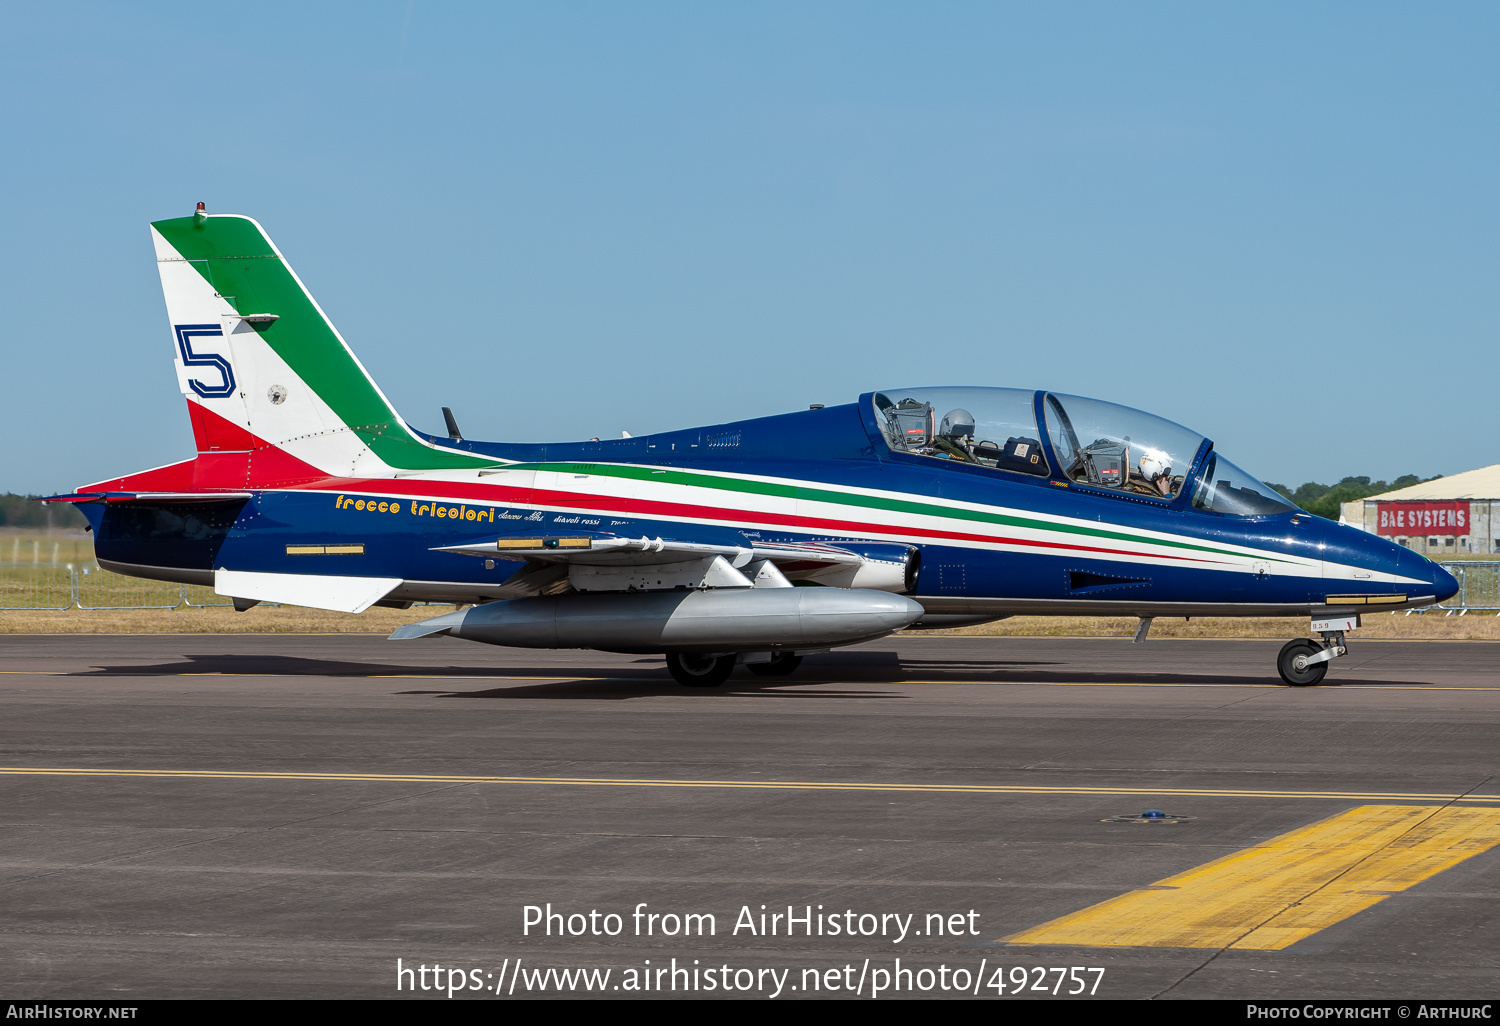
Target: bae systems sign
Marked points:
1424	518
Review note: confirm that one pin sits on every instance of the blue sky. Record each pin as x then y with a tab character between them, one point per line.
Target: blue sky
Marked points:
1275	223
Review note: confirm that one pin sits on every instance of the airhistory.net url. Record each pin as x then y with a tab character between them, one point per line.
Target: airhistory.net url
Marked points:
513	976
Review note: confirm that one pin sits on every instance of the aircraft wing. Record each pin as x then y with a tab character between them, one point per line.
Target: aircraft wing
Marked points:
596	562
596	550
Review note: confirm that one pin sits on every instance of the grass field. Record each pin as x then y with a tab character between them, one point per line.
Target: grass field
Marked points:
214	620
28	545
39	586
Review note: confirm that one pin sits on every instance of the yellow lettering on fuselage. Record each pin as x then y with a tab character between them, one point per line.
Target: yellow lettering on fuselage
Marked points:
420	509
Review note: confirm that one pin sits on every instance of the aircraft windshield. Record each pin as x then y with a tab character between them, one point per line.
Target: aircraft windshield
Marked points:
987	427
1225	488
1116	447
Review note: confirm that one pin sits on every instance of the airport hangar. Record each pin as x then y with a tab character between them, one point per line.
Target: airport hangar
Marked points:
1450	516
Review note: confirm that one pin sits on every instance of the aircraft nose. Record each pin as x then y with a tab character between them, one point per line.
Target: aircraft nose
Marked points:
1445	585
1352	547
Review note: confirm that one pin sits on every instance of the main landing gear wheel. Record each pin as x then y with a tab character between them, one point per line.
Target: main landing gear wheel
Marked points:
699	671
784	665
1292	663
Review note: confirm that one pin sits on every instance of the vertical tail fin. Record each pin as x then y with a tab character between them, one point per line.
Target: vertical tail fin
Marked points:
260	363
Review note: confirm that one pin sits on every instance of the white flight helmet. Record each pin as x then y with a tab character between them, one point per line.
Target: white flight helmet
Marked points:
1155	464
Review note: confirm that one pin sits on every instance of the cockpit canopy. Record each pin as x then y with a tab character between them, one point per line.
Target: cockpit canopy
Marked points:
1225	488
988	427
1099	444
1113	446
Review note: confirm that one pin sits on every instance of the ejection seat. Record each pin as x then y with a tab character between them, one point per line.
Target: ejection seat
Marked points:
1102	462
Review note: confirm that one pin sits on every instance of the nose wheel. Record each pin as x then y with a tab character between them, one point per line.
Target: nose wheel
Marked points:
1294	667
1304	662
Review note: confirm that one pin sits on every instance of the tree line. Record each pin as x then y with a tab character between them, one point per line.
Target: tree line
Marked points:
1323	500
23	511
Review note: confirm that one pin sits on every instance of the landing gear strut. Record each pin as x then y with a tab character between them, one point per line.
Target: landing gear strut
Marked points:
1303	662
699	671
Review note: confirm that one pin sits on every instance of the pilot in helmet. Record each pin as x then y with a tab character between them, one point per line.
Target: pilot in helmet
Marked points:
955	436
1156	471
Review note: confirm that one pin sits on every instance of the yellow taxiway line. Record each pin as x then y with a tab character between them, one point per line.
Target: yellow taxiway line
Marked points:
1286	889
754	785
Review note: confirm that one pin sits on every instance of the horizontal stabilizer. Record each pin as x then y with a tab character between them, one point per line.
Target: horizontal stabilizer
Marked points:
149	497
343	594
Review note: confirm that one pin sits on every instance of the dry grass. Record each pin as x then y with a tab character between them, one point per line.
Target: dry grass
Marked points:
259	620
29	545
295	620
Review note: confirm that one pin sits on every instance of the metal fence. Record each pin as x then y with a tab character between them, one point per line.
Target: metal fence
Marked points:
36	586
87	586
1478	588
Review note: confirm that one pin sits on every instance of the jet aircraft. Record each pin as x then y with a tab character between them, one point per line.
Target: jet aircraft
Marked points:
753	542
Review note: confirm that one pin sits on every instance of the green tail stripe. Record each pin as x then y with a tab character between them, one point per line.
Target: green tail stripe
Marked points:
788	491
235	257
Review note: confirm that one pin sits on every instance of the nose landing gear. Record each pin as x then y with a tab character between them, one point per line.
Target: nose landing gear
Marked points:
1303	662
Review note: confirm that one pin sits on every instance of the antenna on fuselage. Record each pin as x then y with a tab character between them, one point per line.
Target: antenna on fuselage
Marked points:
453	431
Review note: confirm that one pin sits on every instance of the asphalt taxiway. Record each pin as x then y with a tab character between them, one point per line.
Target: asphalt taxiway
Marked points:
263	816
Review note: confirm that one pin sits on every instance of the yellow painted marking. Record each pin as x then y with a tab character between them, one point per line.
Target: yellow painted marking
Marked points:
1275	894
542	543
352	549
754	785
